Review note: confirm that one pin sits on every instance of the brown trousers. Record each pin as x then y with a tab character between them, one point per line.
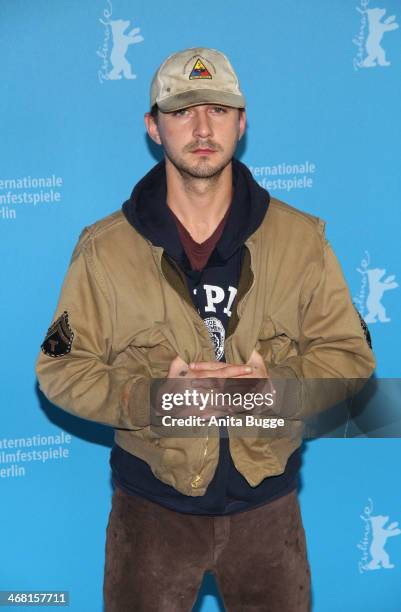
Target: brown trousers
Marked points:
156	557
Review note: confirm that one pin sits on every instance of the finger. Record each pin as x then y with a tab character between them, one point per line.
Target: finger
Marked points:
178	367
231	371
255	359
207	382
208	365
252	356
178	360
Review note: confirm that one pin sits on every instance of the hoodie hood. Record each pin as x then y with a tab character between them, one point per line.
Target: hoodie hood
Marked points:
147	211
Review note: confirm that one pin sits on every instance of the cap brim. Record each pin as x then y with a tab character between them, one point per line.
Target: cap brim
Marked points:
200	96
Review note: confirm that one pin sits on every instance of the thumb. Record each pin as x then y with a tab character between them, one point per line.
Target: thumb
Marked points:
254	358
177	366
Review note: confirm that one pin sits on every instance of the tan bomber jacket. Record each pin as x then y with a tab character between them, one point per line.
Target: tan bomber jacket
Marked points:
128	314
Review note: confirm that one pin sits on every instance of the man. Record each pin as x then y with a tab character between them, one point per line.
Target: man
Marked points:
201	275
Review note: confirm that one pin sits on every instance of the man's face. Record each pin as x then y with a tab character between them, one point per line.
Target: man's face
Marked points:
201	140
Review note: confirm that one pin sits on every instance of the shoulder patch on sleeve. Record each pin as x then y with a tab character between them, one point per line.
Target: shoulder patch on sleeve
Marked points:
364	327
59	337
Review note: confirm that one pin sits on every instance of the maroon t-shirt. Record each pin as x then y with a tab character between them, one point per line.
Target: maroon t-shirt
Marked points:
198	253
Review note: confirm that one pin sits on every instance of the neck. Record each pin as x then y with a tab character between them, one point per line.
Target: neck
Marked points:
199	203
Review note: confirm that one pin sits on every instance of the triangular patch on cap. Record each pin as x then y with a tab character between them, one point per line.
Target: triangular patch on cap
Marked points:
199	71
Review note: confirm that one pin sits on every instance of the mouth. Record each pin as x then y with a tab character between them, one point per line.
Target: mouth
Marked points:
203	151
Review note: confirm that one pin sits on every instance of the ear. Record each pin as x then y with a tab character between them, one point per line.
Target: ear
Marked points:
242	122
151	128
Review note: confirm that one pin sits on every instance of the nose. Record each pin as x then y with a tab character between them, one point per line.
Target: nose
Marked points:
202	125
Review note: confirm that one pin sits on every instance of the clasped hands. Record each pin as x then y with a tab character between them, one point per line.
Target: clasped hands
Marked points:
219	372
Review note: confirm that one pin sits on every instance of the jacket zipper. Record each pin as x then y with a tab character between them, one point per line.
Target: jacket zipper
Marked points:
197	478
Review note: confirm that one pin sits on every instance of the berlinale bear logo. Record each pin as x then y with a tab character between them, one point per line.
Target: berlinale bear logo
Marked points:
121	40
376	534
370	51
373	287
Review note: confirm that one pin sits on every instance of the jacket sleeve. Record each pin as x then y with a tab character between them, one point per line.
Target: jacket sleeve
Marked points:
77	367
333	344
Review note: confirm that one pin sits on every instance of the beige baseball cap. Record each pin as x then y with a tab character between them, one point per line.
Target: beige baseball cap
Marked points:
195	76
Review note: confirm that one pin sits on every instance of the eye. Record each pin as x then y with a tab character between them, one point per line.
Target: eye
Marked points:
180	113
220	110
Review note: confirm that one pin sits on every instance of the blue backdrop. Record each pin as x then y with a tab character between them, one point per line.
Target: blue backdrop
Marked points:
322	81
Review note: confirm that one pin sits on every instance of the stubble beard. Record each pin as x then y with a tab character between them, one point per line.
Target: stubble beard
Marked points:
200	168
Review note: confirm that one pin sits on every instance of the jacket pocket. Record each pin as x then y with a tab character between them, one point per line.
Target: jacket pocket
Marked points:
153	348
274	343
159	358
